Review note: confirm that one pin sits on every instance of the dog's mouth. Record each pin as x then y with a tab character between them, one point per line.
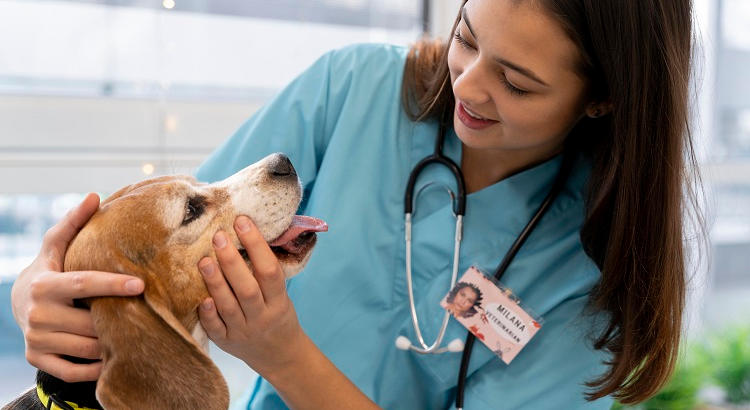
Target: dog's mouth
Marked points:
297	240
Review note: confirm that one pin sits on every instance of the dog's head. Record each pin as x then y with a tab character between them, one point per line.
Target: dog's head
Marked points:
158	230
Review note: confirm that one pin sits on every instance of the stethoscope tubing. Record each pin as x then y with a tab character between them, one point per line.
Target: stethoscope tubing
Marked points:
434	347
437	158
459	210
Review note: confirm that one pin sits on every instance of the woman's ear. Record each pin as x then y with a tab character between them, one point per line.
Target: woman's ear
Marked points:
599	109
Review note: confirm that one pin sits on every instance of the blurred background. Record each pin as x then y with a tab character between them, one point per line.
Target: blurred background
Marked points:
96	94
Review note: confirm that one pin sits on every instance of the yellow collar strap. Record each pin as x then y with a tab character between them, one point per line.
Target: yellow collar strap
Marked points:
53	403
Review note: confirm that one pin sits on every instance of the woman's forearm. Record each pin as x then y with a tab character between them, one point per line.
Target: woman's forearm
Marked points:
314	382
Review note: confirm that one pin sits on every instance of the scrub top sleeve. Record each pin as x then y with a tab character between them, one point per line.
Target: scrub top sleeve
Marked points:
293	122
551	371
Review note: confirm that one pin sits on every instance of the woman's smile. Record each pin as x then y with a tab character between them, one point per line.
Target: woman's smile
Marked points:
471	119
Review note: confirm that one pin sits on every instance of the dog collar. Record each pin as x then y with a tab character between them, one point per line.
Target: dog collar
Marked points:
50	402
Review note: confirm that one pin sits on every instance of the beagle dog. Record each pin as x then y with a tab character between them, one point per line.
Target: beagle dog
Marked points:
154	349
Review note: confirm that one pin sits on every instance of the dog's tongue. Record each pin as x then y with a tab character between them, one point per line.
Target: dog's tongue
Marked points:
300	224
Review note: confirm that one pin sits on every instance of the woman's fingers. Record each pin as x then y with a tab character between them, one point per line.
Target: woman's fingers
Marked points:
65	370
61	318
83	284
212	323
235	269
266	266
77	321
60	343
225	299
58	237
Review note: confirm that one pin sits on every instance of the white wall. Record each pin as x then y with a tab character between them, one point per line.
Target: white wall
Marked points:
90	93
66	144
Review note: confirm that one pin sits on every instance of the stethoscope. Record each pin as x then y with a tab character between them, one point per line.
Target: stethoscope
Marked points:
402	342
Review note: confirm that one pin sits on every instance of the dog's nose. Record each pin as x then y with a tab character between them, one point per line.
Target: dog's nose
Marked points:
281	167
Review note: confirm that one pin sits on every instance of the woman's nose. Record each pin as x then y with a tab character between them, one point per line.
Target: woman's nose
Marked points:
471	85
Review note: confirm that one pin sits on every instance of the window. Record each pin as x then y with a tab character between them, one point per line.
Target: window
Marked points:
728	168
95	95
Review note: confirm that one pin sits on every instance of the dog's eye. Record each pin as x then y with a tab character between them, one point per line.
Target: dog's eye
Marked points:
193	209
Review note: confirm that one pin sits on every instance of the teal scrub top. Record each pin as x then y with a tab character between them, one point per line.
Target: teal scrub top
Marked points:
342	124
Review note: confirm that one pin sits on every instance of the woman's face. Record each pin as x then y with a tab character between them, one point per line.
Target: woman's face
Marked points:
465	299
514	67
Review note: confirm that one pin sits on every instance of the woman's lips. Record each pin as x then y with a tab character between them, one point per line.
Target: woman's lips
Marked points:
469	121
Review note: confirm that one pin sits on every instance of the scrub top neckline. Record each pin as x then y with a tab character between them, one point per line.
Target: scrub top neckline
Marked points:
506	206
529	183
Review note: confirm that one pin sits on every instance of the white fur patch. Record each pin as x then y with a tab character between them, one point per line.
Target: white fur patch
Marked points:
200	336
271	204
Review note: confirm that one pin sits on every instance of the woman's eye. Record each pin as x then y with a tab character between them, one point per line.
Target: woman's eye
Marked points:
508	86
461	40
511	88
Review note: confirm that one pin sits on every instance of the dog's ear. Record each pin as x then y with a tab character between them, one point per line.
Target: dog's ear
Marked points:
158	365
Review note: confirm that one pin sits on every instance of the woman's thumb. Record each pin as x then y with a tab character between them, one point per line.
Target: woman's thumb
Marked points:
58	237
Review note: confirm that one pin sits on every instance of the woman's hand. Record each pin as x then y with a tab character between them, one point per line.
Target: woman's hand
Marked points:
251	317
42	301
249	314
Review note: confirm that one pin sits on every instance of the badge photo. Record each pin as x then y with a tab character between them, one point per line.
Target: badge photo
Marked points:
492	313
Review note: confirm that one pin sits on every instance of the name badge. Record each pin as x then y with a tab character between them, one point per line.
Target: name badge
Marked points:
492	313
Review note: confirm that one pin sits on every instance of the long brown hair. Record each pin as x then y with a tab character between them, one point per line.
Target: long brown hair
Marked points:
635	54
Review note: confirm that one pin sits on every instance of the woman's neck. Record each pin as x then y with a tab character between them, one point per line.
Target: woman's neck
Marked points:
484	167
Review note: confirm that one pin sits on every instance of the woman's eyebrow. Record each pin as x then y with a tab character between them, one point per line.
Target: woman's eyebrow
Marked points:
515	67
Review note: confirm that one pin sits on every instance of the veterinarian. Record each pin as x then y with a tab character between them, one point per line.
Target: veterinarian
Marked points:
522	88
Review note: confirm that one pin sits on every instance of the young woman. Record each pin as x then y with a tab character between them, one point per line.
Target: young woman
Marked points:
522	85
463	300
